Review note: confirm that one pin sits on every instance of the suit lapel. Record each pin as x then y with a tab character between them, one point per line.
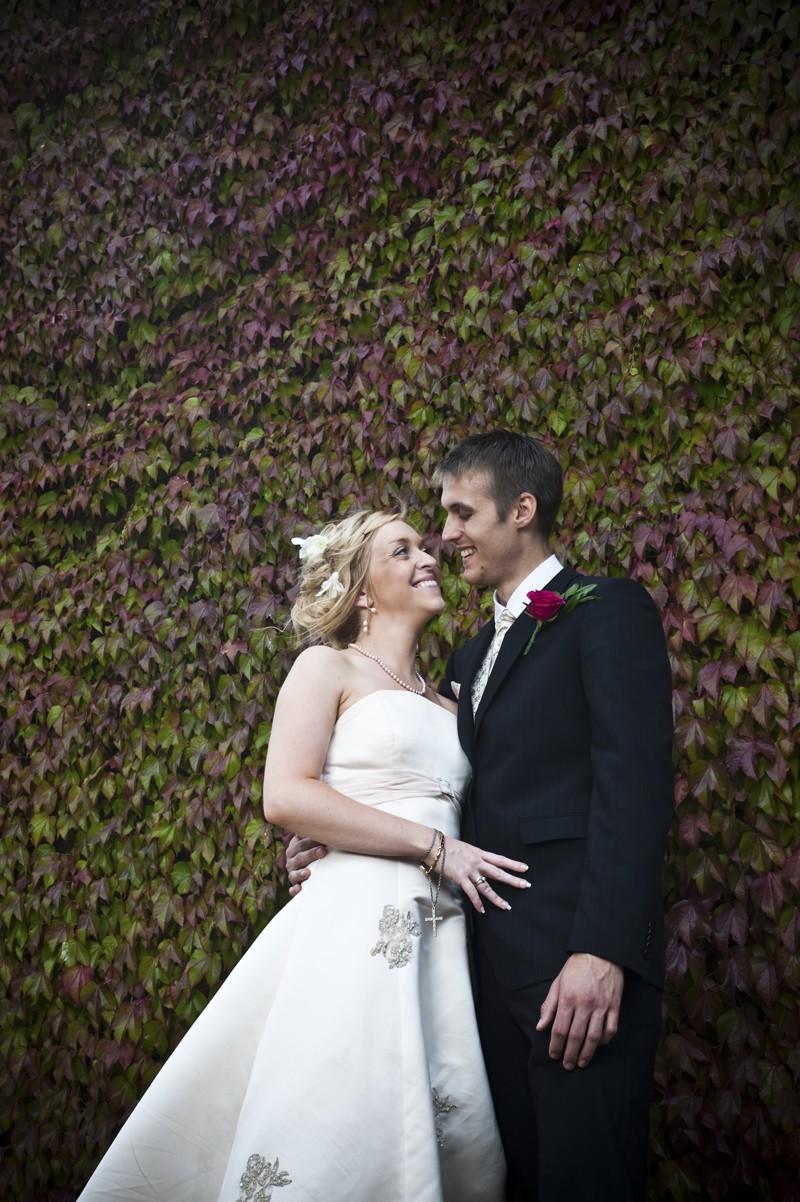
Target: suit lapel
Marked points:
472	656
512	646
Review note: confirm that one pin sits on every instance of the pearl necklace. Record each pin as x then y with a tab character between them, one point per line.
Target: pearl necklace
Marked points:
409	688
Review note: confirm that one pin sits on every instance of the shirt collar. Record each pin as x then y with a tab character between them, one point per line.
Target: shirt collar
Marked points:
540	577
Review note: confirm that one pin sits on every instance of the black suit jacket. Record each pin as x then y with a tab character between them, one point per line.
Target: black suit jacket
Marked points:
571	751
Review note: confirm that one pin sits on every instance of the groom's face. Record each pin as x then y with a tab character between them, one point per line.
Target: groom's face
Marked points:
484	541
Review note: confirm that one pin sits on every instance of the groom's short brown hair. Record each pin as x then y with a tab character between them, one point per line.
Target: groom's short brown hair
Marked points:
513	464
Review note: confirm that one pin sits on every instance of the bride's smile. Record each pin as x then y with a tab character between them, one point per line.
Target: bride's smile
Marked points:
401	566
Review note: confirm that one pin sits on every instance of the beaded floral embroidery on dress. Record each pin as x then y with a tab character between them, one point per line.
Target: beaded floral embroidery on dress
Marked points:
441	1106
396	930
260	1178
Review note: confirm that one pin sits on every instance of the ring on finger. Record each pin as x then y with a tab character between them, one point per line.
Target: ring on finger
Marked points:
480	880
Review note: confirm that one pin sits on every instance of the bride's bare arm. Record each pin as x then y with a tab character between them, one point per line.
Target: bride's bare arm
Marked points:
296	799
302	853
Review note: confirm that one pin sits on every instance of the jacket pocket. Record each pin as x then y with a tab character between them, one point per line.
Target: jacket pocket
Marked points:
554	826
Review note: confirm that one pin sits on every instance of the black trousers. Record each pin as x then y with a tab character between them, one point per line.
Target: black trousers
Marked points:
569	1136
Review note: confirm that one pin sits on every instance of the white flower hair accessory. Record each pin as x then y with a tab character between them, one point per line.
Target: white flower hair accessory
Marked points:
332	586
311	548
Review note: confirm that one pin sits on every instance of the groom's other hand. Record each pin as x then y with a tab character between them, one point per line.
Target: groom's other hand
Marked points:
300	855
583	1005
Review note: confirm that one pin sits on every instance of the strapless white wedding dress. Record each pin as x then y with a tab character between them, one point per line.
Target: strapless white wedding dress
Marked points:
340	1059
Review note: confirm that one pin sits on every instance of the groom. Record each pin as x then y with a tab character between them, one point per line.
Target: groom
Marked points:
570	743
569	736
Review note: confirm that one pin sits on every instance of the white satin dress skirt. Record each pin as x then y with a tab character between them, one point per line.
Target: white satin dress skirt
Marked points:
339	1061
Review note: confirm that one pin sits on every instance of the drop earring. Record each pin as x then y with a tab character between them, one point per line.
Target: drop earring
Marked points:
365	624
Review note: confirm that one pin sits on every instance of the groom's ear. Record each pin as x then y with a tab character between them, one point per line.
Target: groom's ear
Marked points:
524	511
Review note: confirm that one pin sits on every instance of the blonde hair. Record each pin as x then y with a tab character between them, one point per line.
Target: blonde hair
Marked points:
333	620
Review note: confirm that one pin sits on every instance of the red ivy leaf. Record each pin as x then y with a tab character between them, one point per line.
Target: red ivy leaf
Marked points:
767	892
735	589
686	917
74	979
741	756
709	676
771	598
731	925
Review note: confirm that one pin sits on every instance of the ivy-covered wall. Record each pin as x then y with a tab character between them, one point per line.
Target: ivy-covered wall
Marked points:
261	261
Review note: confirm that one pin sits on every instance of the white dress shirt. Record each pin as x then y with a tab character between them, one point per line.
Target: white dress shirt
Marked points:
540	577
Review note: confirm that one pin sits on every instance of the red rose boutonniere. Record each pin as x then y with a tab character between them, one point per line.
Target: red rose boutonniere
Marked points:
544	605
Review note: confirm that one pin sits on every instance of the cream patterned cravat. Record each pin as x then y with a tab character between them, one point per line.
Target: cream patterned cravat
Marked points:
502	625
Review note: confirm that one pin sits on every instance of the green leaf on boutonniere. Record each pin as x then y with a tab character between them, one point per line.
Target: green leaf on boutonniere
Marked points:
544	606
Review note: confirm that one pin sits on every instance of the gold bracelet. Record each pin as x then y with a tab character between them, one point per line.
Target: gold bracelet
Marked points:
430	849
429	868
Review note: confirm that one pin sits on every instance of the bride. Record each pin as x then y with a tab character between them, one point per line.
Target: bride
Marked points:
340	1059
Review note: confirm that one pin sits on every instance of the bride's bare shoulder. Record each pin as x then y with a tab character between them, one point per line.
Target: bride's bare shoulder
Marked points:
319	678
321	661
319	654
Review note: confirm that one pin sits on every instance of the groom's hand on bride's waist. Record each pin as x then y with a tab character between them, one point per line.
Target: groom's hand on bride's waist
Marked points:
300	855
583	1006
